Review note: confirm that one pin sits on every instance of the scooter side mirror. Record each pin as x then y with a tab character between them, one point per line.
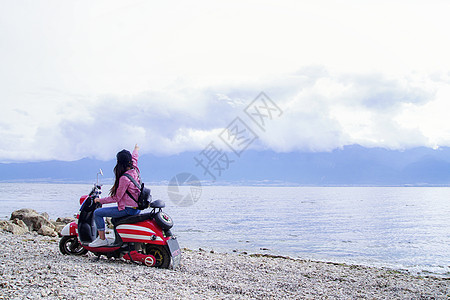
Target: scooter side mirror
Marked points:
99	172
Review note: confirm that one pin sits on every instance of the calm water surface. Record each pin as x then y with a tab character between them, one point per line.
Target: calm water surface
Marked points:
399	227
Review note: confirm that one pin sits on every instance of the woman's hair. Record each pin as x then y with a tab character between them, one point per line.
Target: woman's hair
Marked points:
124	163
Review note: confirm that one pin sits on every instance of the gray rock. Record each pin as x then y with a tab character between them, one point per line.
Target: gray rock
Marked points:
31	218
16	229
65	220
15	226
3	224
23	211
109	223
47	231
45	215
20	223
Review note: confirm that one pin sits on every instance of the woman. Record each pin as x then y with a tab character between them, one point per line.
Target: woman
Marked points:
126	206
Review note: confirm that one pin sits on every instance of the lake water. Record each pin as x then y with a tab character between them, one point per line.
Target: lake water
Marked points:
396	227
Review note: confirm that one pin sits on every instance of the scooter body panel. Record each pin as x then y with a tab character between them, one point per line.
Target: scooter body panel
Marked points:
70	229
142	232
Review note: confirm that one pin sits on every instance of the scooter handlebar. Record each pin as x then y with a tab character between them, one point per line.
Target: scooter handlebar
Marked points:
96	191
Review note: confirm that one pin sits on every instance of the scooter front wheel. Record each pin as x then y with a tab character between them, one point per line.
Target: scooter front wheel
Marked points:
69	245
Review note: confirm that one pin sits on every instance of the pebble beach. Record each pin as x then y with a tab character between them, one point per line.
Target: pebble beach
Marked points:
33	268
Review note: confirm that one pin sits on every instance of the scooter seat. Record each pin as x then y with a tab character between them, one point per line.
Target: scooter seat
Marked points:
132	219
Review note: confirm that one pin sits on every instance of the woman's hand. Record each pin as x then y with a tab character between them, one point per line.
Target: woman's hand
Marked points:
97	200
136	147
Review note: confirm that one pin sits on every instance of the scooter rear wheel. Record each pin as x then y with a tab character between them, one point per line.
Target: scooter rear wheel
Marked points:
162	258
69	245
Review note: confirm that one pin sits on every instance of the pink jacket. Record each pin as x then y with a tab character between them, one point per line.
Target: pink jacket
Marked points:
121	197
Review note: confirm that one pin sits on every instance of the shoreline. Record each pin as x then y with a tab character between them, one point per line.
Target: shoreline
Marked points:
416	270
33	267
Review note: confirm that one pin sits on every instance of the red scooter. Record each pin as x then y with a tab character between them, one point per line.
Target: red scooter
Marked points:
143	238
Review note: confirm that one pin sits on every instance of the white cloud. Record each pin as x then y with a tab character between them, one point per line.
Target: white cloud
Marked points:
322	111
88	78
331	110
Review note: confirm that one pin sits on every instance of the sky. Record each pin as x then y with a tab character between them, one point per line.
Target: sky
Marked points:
89	78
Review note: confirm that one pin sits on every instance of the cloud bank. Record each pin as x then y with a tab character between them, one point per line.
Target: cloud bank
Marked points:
321	111
83	79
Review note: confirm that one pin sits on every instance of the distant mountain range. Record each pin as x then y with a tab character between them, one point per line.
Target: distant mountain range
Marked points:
351	165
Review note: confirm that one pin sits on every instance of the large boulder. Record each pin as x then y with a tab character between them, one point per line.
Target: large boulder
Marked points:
32	219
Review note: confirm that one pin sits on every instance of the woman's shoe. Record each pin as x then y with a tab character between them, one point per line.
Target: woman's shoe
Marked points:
99	243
